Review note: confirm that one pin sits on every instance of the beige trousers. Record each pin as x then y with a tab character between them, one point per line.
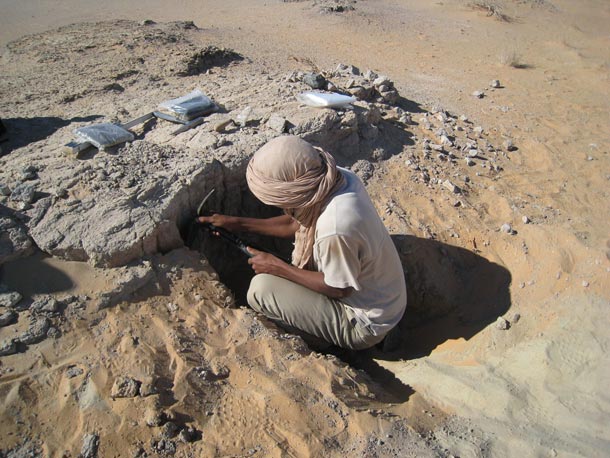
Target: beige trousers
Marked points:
293	306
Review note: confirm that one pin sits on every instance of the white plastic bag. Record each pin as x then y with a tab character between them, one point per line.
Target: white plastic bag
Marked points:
324	99
104	135
190	106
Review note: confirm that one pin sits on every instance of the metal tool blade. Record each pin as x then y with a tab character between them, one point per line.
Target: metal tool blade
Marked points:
200	208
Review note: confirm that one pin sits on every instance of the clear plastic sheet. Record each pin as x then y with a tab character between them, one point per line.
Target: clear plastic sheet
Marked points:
104	135
190	106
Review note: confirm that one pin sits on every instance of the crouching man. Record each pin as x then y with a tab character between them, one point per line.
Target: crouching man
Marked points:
345	284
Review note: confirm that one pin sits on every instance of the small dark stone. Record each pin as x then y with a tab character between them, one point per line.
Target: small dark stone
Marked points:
8	347
314	80
37	331
44	305
24	193
164	446
169	430
74	371
125	387
8	317
188	435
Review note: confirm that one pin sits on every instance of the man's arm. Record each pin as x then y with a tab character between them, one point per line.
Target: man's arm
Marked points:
265	263
283	226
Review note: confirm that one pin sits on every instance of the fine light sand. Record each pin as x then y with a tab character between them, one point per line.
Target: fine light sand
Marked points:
536	389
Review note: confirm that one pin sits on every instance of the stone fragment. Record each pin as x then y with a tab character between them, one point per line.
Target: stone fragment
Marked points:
169	430
29	172
221	126
277	123
516	318
154	417
494	84
478	94
164	446
74	371
314	80
506	228
91	443
9	299
405	118
364	169
353	70
44	305
53	332
508	145
244	117
442	116
525	219
187	435
370	75
294	77
445	141
8	347
125	387
473	153
359	92
61	193
8	317
4	190
451	187
585	283
469	161
23	193
147	388
502	324
382	80
390	96
37	331
478	130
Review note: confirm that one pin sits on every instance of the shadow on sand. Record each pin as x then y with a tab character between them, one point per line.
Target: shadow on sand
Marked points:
453	293
31	275
21	132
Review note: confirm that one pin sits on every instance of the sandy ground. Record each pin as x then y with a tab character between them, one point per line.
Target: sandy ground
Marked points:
455	387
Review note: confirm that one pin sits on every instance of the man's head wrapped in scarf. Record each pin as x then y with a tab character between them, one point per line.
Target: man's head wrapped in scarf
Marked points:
291	174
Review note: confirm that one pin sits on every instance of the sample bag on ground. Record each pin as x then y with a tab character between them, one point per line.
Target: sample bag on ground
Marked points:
188	107
104	135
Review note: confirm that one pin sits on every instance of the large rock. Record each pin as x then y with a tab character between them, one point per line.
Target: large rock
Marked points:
123	206
14	241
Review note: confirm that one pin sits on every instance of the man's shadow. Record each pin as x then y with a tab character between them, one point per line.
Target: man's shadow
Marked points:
453	293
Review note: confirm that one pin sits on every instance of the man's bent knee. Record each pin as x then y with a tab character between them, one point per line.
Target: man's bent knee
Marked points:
257	292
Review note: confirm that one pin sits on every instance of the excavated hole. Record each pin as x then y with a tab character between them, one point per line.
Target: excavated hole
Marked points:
234	198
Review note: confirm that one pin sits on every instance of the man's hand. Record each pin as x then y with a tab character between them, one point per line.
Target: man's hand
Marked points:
282	226
266	263
230	223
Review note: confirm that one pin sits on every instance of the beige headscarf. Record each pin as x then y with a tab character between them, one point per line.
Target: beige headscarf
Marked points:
289	173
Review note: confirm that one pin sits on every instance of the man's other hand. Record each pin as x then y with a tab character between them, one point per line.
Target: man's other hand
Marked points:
265	263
